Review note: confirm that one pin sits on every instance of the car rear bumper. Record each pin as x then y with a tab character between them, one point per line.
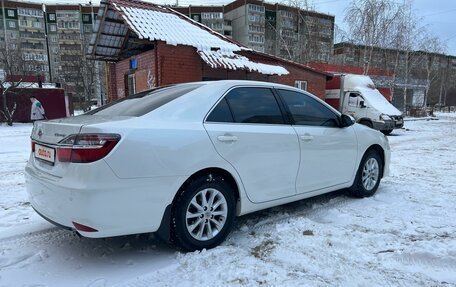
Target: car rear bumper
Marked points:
100	200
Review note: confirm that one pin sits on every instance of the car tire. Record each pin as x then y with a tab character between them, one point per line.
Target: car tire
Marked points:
204	214
367	124
387	132
368	175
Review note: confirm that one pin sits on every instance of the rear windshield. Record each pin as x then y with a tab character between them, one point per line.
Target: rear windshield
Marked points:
142	103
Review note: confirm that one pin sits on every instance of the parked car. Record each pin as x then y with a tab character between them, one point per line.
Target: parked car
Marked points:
185	160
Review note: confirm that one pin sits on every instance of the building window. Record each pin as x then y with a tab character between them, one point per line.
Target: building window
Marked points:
256	38
29	12
88	28
52	17
11	13
53	28
196	17
131	84
301	85
212	15
12	24
254	18
86	18
256	8
68	25
37	25
53	38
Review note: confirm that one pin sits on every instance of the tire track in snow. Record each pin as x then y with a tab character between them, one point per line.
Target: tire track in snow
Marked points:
25	238
427	260
311	208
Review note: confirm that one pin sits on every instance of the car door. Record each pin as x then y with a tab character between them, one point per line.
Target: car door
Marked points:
352	105
328	152
248	129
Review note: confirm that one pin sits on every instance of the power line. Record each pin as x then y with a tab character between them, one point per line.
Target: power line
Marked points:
438	13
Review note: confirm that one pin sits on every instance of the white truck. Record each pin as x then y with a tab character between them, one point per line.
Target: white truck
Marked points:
357	96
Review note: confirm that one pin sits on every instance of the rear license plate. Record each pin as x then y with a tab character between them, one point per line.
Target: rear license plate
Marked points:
45	153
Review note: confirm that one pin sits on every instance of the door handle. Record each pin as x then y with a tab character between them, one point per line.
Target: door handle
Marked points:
227	138
306	138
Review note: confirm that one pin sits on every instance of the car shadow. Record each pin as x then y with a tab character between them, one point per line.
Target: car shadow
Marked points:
292	209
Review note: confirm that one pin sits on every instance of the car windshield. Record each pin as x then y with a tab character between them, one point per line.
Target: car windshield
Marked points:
145	102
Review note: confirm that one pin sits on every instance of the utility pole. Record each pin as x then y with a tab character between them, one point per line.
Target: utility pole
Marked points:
4	26
46	37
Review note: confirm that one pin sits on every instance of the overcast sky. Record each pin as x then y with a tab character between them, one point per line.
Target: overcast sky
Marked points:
438	15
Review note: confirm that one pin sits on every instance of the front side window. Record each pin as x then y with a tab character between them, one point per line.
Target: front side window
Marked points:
353	100
306	110
254	105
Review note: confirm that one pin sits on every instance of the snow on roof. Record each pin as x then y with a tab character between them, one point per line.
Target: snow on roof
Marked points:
229	60
152	22
27	85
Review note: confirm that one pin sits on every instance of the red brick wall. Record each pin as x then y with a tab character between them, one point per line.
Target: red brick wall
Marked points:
316	83
178	64
118	71
112	85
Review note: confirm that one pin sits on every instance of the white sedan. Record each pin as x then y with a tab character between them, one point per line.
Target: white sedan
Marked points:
185	160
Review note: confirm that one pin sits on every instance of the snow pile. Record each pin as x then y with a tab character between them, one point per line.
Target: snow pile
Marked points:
405	235
170	28
229	60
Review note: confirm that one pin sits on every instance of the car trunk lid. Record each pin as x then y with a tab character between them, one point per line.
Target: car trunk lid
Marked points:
47	134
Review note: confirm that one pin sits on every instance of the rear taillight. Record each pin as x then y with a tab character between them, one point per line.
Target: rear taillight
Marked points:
85	148
33	146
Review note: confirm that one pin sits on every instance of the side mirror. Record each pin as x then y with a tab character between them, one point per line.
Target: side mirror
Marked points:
346	121
361	104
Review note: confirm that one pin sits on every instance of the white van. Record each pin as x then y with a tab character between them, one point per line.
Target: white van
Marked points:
363	101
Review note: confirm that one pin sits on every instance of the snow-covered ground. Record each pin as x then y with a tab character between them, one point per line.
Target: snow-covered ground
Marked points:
403	236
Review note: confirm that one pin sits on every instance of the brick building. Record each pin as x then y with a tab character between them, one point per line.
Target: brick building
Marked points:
147	45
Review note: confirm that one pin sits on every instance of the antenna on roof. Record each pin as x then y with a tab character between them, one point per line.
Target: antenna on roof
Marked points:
177	3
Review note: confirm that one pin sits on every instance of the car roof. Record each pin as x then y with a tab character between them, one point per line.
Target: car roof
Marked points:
241	83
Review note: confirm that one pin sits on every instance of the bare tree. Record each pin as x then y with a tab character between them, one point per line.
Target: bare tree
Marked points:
307	43
406	37
80	70
431	47
369	22
88	73
14	67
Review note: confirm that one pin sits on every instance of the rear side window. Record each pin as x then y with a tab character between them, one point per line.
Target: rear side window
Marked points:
252	105
305	110
221	113
143	103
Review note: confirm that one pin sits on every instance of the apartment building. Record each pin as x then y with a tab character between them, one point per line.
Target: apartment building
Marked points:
211	16
53	40
288	32
25	31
